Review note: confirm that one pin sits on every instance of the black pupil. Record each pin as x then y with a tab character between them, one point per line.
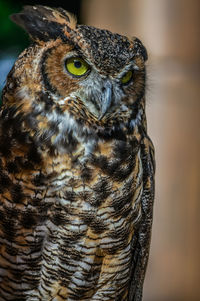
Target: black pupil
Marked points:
77	64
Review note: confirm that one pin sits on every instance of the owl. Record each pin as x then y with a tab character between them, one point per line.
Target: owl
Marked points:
76	164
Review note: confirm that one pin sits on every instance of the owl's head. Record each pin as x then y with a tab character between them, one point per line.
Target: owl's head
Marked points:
93	76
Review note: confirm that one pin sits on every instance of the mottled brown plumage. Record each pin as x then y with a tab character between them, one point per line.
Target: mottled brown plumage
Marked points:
76	165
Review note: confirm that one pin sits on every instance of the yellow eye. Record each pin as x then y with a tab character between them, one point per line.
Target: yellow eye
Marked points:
76	66
127	77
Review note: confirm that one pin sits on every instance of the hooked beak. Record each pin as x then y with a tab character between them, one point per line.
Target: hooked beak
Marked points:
106	99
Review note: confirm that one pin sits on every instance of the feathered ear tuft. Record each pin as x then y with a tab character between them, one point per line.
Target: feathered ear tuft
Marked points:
45	23
139	48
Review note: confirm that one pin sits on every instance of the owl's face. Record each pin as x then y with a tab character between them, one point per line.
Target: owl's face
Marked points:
101	88
91	75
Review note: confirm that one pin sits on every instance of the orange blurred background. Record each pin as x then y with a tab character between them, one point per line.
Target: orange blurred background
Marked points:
170	30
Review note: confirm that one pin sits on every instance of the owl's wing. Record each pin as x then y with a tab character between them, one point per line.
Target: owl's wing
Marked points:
142	237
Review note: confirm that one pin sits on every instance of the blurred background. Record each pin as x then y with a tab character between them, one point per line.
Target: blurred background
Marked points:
170	29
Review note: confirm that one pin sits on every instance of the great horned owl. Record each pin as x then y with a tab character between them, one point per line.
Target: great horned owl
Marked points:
76	164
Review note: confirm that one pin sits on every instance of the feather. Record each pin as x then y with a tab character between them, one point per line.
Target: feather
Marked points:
44	23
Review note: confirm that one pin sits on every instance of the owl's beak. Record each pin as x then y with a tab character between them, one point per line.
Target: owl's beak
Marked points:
106	99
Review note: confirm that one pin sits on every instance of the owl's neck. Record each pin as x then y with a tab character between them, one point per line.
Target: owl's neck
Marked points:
37	136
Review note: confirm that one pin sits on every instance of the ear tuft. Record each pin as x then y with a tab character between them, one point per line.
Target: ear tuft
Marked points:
139	48
45	23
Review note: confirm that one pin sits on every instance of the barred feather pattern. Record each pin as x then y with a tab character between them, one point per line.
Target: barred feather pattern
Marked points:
76	191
